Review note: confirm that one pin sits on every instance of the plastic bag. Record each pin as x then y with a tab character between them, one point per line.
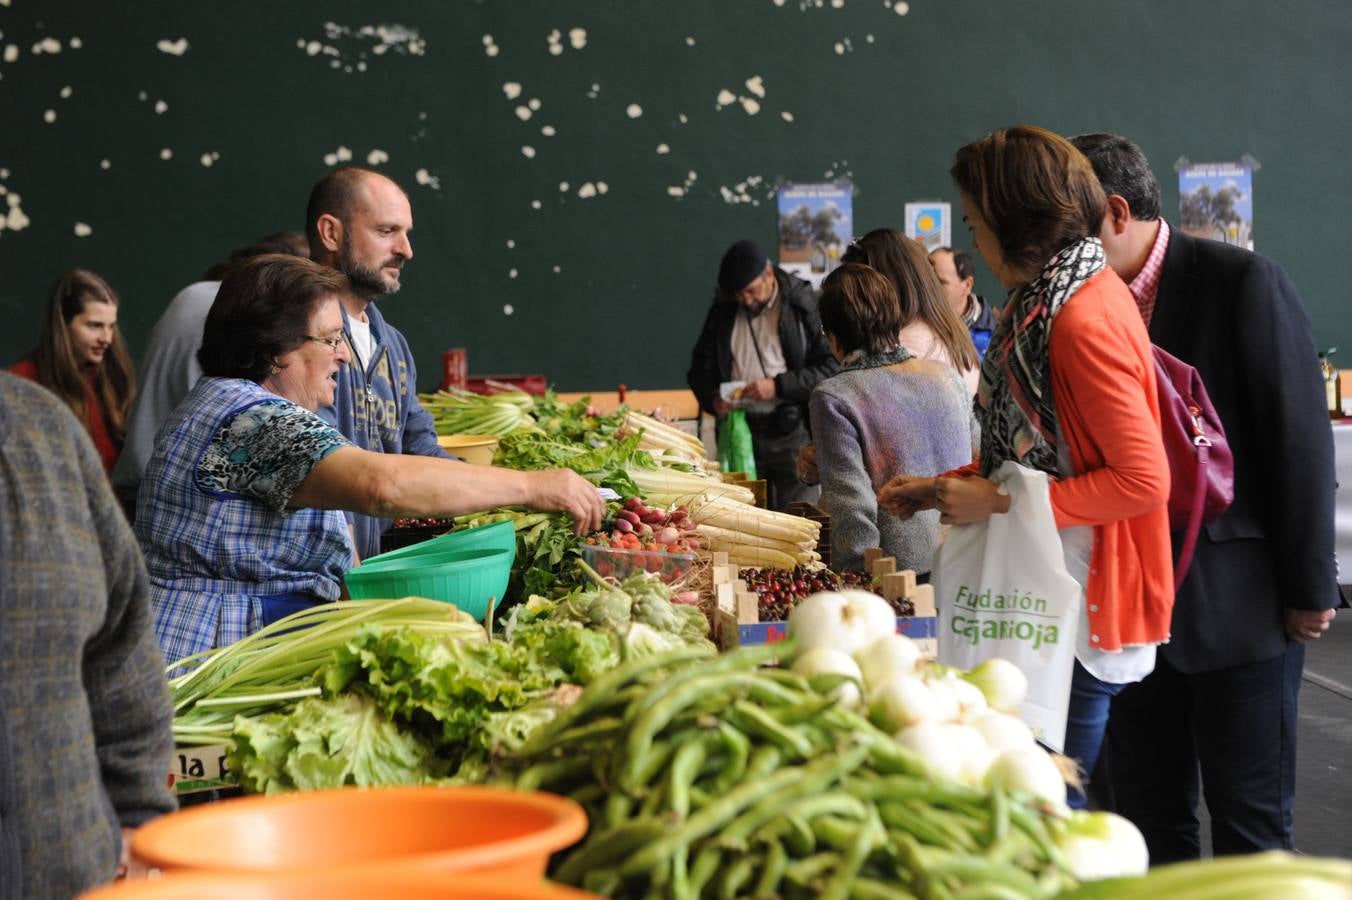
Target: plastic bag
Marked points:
735	450
1002	589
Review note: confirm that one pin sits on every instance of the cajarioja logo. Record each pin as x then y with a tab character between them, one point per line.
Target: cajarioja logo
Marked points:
983	616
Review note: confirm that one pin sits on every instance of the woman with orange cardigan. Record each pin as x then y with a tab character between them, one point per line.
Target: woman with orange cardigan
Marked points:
1067	388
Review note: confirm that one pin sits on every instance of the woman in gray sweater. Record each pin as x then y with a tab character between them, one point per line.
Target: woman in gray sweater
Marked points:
885	413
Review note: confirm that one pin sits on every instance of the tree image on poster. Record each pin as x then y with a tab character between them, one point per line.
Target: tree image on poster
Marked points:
815	222
1215	201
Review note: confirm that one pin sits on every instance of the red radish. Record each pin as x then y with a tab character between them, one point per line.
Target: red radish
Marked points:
645	530
667	535
633	503
631	517
689	598
623	526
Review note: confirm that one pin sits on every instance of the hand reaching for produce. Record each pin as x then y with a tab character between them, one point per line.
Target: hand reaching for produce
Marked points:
721	407
566	491
806	465
964	501
761	389
906	495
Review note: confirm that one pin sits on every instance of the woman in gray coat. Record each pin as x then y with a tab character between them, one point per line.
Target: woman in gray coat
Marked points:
885	413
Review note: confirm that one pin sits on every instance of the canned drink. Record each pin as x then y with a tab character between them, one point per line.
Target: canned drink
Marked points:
455	369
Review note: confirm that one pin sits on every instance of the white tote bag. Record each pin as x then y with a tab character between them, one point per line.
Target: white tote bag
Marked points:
1002	589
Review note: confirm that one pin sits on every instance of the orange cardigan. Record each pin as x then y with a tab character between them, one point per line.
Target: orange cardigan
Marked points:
1103	385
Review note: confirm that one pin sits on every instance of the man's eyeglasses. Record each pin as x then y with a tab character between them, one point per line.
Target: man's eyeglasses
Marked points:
332	343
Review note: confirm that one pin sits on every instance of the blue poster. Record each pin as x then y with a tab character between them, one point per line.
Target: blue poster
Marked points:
930	223
816	221
1215	201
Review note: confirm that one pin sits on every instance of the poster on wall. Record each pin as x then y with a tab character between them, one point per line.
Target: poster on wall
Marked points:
931	223
1215	201
816	221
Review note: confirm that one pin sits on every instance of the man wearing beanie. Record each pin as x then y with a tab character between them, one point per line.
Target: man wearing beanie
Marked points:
763	329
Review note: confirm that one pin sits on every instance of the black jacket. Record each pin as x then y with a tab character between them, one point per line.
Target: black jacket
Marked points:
806	353
1237	318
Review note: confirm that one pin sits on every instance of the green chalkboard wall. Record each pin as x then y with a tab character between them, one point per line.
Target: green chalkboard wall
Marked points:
210	144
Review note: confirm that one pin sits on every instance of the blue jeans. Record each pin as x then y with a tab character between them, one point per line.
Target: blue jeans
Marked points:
1086	721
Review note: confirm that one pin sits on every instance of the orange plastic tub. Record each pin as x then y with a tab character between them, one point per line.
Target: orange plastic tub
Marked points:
509	834
332	886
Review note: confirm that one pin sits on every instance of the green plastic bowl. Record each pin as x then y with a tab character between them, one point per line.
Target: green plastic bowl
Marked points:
469	579
498	536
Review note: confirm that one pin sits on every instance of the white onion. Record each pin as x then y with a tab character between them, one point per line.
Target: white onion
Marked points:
901	702
946	707
974	753
1004	732
891	654
1031	771
826	661
937	745
1003	683
847	621
971	702
1103	845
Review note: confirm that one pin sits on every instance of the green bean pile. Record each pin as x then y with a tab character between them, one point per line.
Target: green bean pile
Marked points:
709	776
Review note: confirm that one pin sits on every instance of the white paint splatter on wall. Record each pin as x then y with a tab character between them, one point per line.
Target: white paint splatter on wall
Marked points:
786	116
676	190
105	164
528	152
750	105
511	244
161	107
49	116
11	53
633	110
756	85
690	42
66	92
427	179
508	309
16	220
83	230
511	89
563	187
166	154
511	274
209	158
558	269
663	149
577	37
377	157
902	8
536	204
342	154
75	43
553	39
173	48
490	48
548	131
587	191
46	45
523	113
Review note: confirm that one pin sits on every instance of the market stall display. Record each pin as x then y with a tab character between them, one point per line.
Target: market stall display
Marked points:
332	886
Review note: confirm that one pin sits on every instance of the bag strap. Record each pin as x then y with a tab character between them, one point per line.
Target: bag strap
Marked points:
1194	527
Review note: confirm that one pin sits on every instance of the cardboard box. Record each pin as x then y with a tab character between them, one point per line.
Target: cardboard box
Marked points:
737	611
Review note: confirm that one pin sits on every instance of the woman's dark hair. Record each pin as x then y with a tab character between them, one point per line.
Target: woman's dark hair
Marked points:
860	309
1035	191
905	263
64	374
263	310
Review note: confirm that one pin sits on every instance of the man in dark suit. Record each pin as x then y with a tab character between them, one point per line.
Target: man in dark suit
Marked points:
1222	698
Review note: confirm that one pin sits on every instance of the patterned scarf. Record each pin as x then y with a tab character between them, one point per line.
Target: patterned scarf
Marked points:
1018	418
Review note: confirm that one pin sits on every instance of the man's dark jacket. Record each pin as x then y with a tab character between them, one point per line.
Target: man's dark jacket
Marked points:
1237	318
806	353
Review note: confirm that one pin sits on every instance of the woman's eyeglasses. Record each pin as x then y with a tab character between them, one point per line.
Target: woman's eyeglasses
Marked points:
332	343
